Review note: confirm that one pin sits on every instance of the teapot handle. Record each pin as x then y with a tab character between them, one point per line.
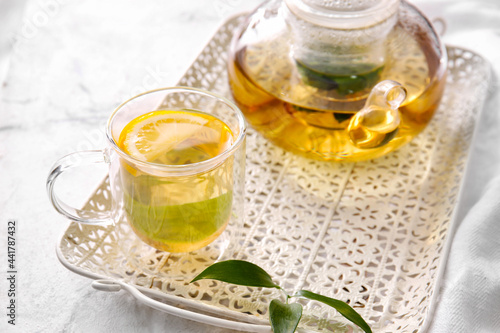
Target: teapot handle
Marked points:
378	121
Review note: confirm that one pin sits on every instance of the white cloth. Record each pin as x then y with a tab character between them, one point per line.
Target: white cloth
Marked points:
470	293
471	296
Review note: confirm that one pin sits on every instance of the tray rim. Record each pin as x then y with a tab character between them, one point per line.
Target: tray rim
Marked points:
144	294
454	223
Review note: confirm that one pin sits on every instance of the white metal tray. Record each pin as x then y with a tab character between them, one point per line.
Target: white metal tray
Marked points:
374	234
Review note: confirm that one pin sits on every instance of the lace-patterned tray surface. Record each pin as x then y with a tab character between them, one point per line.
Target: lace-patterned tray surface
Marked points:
373	234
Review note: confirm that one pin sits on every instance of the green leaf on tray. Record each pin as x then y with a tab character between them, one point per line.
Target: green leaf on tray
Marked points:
284	317
238	272
343	308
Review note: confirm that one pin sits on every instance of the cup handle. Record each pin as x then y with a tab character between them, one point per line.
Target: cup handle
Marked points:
70	161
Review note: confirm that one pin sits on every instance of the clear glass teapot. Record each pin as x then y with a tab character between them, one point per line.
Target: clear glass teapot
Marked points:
337	80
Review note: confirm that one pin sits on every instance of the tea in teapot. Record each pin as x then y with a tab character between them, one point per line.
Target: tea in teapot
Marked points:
337	80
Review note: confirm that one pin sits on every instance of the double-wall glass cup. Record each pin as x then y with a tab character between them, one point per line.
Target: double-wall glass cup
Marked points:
176	160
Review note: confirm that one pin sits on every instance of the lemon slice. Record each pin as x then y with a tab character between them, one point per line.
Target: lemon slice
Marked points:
175	137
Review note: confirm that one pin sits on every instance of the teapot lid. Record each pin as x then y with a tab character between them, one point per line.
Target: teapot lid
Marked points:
343	14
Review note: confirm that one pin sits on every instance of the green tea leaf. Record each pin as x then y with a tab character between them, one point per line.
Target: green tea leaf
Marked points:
340	117
344	80
284	317
238	272
343	308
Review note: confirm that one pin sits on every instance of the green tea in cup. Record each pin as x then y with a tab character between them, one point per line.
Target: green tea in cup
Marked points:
177	213
176	160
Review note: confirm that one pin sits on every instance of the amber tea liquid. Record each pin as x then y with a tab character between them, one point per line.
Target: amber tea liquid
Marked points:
307	109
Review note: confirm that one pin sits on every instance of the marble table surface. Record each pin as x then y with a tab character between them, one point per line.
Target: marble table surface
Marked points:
64	66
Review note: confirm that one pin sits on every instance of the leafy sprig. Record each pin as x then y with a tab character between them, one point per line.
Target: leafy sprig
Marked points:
284	317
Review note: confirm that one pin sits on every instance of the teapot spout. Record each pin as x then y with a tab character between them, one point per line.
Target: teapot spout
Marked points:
378	121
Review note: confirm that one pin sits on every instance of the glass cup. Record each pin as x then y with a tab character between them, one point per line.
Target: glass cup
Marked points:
174	206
